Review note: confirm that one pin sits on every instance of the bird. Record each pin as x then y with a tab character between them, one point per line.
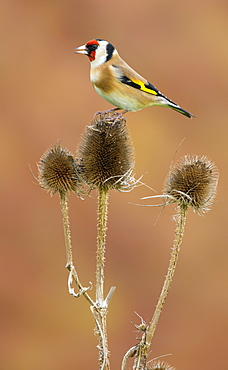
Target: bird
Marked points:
119	84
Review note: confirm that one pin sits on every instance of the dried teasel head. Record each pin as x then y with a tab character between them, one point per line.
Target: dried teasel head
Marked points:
57	170
192	182
107	154
158	365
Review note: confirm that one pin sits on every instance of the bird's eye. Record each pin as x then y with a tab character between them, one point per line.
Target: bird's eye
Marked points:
92	47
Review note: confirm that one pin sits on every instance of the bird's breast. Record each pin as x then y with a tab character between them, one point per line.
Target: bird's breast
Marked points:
94	75
102	78
110	88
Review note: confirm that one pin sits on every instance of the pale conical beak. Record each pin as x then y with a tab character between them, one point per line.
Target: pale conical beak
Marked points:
81	50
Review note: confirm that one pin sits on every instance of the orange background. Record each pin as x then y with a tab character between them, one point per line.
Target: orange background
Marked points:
46	95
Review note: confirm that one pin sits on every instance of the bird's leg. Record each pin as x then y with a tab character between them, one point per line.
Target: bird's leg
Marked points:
119	115
125	111
107	111
111	110
102	114
112	118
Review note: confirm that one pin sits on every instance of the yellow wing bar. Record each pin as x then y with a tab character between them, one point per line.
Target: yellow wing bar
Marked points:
137	84
149	88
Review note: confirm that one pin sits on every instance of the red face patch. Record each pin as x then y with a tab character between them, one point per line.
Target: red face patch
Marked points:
91	47
92	55
92	42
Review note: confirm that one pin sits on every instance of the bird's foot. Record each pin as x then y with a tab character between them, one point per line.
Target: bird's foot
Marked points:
108	111
110	115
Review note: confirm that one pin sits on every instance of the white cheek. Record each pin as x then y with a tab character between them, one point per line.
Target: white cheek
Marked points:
100	58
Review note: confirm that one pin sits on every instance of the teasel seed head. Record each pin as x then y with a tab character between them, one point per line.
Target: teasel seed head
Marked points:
159	365
106	153
57	170
192	182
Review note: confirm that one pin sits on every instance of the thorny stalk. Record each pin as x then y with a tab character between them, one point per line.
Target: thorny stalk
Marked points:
179	232
144	345
98	308
101	238
140	351
100	312
69	256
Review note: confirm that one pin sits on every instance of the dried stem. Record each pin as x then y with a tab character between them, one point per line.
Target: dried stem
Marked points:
98	308
69	255
130	353
179	232
101	238
100	311
100	319
144	345
66	226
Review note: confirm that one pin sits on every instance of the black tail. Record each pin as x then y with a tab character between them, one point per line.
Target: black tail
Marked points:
182	111
166	101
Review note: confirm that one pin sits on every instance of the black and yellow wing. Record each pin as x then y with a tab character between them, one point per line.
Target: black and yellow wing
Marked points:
137	84
147	87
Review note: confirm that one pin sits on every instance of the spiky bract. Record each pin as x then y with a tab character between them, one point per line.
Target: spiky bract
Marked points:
58	170
192	182
106	152
158	365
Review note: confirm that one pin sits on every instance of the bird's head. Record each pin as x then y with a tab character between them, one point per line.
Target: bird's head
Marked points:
98	51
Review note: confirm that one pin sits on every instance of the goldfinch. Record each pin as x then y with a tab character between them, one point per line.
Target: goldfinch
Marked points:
115	81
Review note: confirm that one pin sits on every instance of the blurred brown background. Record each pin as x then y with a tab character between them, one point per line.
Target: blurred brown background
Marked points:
46	95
